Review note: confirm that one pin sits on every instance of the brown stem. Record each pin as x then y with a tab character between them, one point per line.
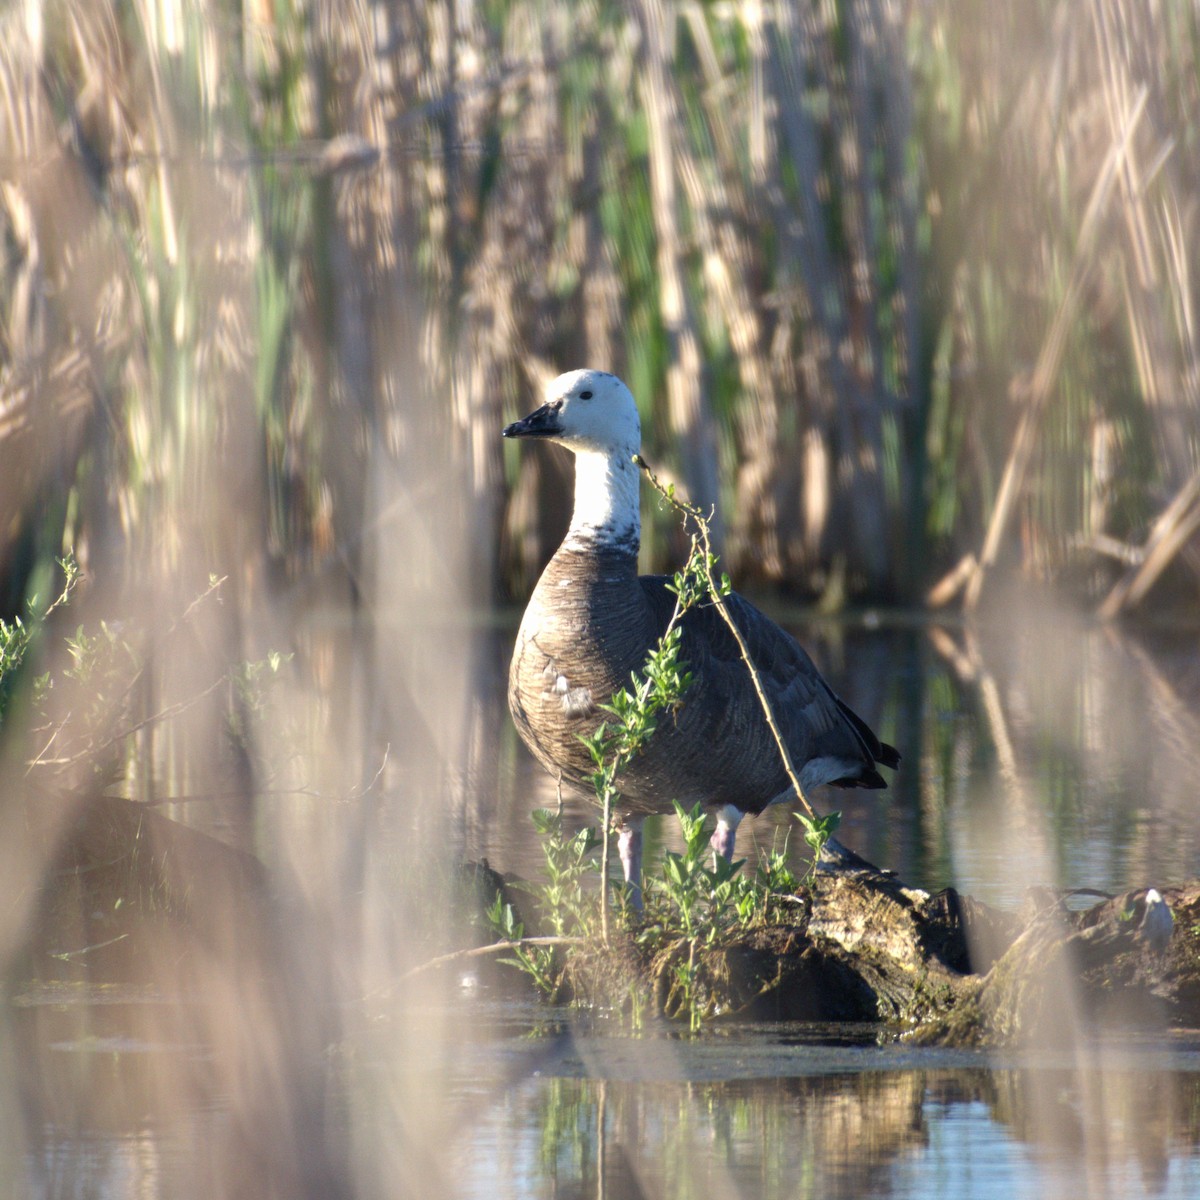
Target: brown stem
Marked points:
493	948
690	511
606	821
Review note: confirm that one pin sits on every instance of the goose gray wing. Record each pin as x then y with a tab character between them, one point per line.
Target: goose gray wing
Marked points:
828	741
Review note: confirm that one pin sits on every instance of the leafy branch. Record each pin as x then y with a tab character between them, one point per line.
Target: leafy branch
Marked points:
633	720
817	830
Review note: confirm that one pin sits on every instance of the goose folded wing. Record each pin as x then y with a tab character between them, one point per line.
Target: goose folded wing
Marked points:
814	721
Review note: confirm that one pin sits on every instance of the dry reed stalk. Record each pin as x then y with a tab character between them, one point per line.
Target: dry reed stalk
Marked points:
1045	371
1170	534
845	376
952	583
726	261
723	205
687	408
1156	290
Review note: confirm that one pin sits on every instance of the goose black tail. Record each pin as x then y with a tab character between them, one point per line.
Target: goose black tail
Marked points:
881	752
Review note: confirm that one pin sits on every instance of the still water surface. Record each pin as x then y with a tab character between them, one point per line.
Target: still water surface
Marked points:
1036	751
769	1114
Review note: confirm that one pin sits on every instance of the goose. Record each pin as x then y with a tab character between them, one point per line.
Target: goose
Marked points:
591	620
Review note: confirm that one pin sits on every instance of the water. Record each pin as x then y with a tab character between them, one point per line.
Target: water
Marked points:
814	1121
1038	750
529	1104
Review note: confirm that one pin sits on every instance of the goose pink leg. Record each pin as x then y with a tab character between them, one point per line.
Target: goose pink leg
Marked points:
629	846
725	834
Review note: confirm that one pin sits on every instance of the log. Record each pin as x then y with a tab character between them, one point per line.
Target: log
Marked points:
1129	961
858	945
939	968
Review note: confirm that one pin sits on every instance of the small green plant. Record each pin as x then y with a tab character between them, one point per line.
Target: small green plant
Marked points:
536	961
569	860
701	900
569	909
697	900
687	979
772	875
817	832
18	636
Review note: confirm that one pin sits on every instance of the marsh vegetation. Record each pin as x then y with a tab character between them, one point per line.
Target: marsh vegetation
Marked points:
905	290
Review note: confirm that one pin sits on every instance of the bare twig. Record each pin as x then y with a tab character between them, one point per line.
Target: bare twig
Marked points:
163	714
494	948
358	793
50	742
70	955
214	585
605	861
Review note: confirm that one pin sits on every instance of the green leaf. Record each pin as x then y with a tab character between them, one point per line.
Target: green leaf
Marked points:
545	821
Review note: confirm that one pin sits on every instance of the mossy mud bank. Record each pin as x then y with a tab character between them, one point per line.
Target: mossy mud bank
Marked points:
859	945
854	945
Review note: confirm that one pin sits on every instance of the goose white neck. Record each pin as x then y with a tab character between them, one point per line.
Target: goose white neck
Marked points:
606	515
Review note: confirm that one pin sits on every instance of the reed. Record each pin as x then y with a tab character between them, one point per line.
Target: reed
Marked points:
825	246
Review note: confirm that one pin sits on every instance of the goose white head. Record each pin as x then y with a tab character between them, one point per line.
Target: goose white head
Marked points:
595	416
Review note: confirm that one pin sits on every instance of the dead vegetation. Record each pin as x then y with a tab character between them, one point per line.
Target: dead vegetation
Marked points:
911	278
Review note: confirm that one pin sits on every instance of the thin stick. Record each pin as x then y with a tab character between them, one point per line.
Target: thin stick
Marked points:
689	510
493	948
1168	536
606	821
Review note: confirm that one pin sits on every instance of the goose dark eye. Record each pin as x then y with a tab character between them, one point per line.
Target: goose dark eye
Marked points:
585	395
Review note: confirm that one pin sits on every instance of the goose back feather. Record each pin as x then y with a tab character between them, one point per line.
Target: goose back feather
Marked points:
589	626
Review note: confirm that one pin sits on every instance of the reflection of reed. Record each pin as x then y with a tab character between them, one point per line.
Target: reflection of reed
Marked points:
1096	1127
1090	729
1093	1133
970	666
826	1136
1172	721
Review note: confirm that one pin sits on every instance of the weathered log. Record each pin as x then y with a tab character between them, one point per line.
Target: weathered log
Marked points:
1125	961
940	967
859	945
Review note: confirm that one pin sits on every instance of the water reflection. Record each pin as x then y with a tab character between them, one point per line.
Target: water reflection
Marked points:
1036	751
882	1132
516	1108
